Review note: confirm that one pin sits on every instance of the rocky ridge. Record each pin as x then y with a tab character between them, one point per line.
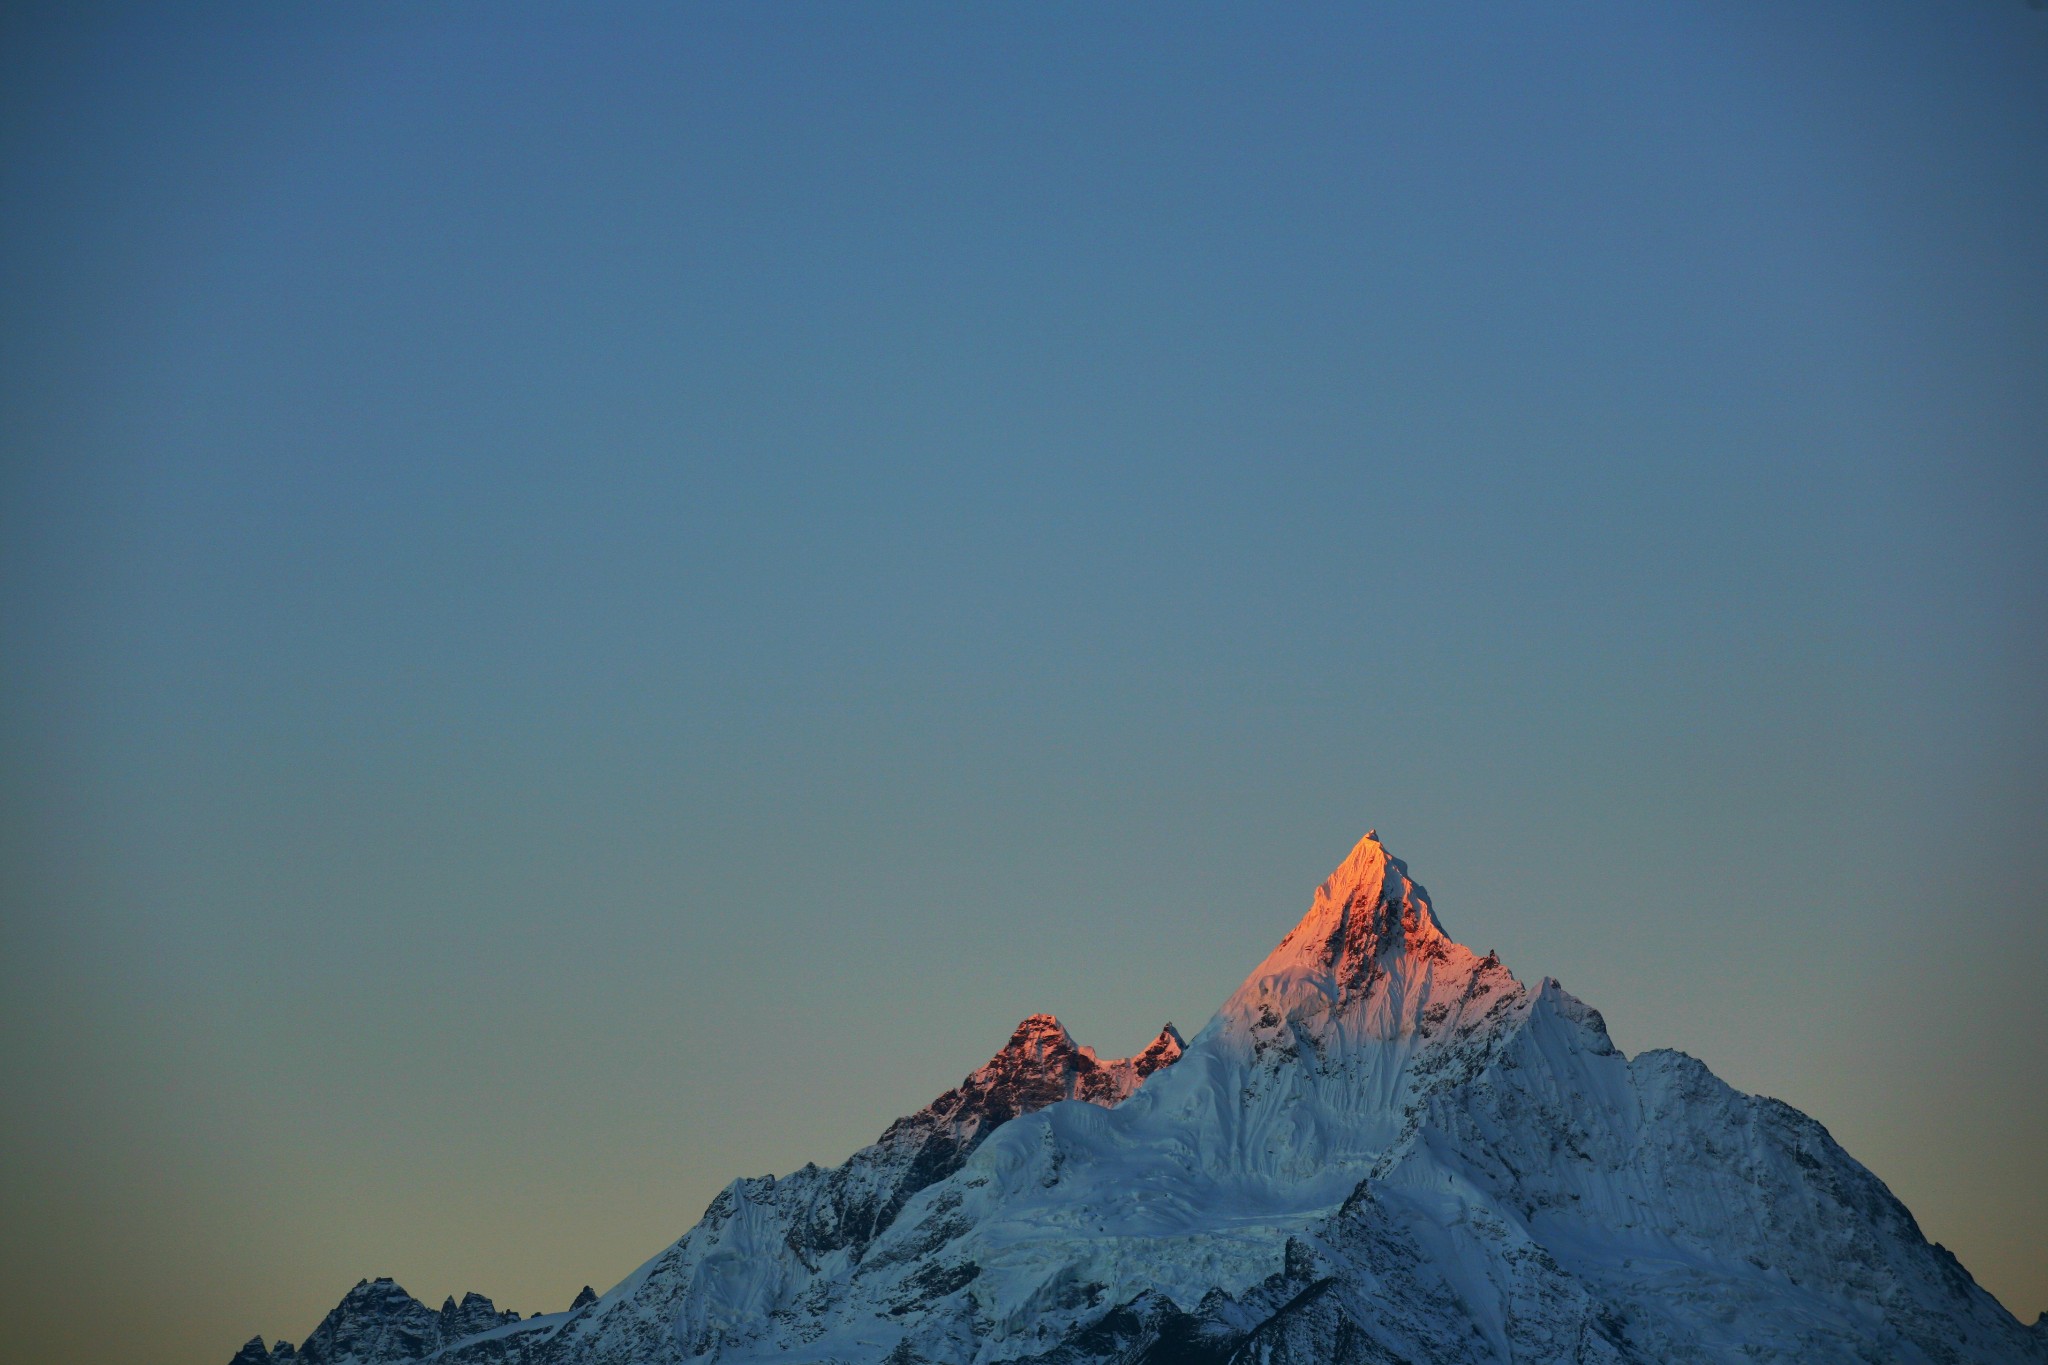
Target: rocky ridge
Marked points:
377	1322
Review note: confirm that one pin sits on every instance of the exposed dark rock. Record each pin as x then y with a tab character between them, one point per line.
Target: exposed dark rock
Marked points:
473	1315
377	1321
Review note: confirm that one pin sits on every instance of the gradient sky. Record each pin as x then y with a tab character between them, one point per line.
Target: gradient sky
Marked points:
598	600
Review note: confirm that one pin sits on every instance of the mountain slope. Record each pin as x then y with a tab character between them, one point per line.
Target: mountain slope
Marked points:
1383	1147
818	1213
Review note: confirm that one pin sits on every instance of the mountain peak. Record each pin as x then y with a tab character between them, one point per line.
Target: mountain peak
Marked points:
1037	1034
1041	1064
1369	901
1364	868
1368	909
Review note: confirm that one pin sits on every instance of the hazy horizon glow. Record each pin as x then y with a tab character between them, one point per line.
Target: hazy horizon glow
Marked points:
596	601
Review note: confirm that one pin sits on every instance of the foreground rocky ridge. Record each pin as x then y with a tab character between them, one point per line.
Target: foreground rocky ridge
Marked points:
378	1321
1382	1148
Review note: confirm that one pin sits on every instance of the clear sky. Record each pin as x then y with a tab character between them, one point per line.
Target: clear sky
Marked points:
597	599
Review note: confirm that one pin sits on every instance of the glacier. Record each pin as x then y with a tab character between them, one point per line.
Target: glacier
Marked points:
1382	1148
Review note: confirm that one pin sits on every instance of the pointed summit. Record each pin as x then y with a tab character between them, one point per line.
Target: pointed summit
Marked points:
1365	865
1364	908
1369	920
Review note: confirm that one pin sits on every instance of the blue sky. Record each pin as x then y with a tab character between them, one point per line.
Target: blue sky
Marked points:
592	602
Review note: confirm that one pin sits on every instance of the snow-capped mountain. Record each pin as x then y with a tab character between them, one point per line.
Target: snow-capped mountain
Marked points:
1382	1148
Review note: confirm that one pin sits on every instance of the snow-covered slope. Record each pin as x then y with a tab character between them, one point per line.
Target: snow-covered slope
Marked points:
1383	1147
